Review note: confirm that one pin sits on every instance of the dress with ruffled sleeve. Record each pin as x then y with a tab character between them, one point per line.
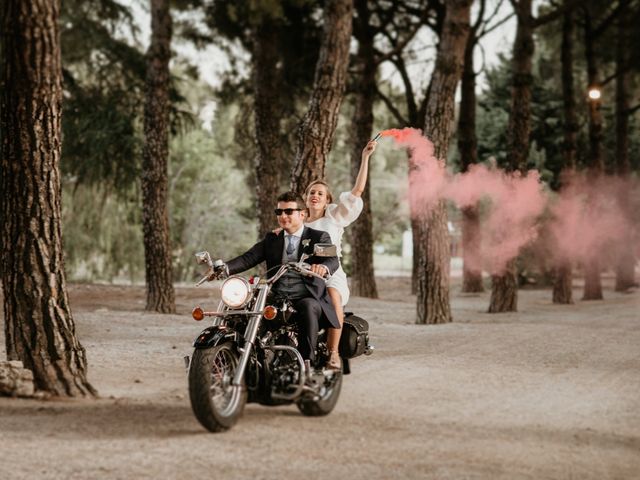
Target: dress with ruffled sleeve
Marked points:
336	217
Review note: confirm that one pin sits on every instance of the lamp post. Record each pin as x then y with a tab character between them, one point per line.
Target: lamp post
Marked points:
594	96
594	93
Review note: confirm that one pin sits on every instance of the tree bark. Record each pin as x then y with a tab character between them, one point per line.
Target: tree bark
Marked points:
363	282
562	291
623	85
433	303
571	126
317	128
39	328
468	148
471	245
625	267
268	112
596	156
504	291
562	284
503	286
155	215
592	281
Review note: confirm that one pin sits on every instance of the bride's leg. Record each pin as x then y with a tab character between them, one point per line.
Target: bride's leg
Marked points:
333	334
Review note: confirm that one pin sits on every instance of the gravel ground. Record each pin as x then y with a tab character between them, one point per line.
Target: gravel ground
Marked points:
549	392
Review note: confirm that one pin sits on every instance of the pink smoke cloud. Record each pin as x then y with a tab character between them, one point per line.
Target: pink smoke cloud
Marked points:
515	201
587	219
590	217
425	169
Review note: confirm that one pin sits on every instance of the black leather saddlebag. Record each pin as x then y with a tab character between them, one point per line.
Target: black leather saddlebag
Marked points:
355	336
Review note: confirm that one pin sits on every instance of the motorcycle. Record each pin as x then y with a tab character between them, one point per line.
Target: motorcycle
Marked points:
249	353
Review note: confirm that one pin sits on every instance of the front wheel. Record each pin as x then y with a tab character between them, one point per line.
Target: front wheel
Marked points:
216	403
328	398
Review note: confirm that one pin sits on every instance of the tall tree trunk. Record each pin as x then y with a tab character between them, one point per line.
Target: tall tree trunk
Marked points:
596	155
155	215
625	268
468	148
504	288
433	303
592	281
571	126
268	113
363	282
317	128
471	245
562	285
39	328
415	243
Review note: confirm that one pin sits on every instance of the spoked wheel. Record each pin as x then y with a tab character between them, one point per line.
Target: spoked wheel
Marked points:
329	394
216	403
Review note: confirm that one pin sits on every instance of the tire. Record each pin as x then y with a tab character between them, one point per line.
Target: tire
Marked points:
326	403
215	402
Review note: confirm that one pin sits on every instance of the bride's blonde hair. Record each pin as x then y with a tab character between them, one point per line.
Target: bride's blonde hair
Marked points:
319	182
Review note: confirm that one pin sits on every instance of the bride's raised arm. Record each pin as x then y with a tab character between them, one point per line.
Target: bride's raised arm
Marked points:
361	179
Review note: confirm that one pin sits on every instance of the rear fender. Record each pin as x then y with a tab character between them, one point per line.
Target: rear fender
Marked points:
215	335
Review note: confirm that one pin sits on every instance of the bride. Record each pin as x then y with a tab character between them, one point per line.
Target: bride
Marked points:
333	218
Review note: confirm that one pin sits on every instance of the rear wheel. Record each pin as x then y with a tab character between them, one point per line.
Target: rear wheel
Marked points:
216	403
328	399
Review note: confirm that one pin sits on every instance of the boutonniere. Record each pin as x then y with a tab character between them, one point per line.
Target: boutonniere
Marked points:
305	242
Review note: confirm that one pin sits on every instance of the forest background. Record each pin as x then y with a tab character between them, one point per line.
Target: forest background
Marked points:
544	139
212	182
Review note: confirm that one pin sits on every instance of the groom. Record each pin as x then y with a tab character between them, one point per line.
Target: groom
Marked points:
308	294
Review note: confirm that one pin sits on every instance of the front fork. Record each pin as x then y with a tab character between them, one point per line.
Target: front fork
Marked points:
250	334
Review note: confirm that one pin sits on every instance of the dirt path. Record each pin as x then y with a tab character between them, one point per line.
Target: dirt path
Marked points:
550	392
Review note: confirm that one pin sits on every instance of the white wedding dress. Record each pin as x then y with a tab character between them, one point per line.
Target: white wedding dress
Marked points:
336	218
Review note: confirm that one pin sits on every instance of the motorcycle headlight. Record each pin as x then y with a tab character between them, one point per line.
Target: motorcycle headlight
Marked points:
235	292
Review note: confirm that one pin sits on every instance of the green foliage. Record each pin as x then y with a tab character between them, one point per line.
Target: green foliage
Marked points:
102	235
210	208
100	140
211	191
548	48
492	113
211	205
547	116
298	29
104	84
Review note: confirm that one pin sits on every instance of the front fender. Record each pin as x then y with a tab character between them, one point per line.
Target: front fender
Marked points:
215	335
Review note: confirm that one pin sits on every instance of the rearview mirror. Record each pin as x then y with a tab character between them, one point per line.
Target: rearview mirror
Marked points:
325	250
203	257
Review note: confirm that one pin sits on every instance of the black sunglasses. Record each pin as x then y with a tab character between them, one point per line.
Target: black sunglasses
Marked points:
288	211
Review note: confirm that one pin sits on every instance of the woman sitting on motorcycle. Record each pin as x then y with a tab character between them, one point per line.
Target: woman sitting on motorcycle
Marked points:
333	218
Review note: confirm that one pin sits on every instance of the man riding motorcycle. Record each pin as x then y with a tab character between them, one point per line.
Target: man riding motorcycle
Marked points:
307	293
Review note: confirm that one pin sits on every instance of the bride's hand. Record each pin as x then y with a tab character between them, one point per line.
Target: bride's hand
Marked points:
369	149
277	230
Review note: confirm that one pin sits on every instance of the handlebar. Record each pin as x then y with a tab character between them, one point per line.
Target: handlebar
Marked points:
219	269
300	267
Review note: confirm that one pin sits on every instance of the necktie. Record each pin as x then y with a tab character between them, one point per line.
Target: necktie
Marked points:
291	246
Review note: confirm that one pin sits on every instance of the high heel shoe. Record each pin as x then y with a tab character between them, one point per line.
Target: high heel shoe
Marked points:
334	362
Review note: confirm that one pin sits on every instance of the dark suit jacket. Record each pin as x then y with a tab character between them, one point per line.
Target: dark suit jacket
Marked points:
270	249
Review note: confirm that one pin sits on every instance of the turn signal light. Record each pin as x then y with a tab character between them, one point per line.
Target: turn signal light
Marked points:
270	312
197	314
